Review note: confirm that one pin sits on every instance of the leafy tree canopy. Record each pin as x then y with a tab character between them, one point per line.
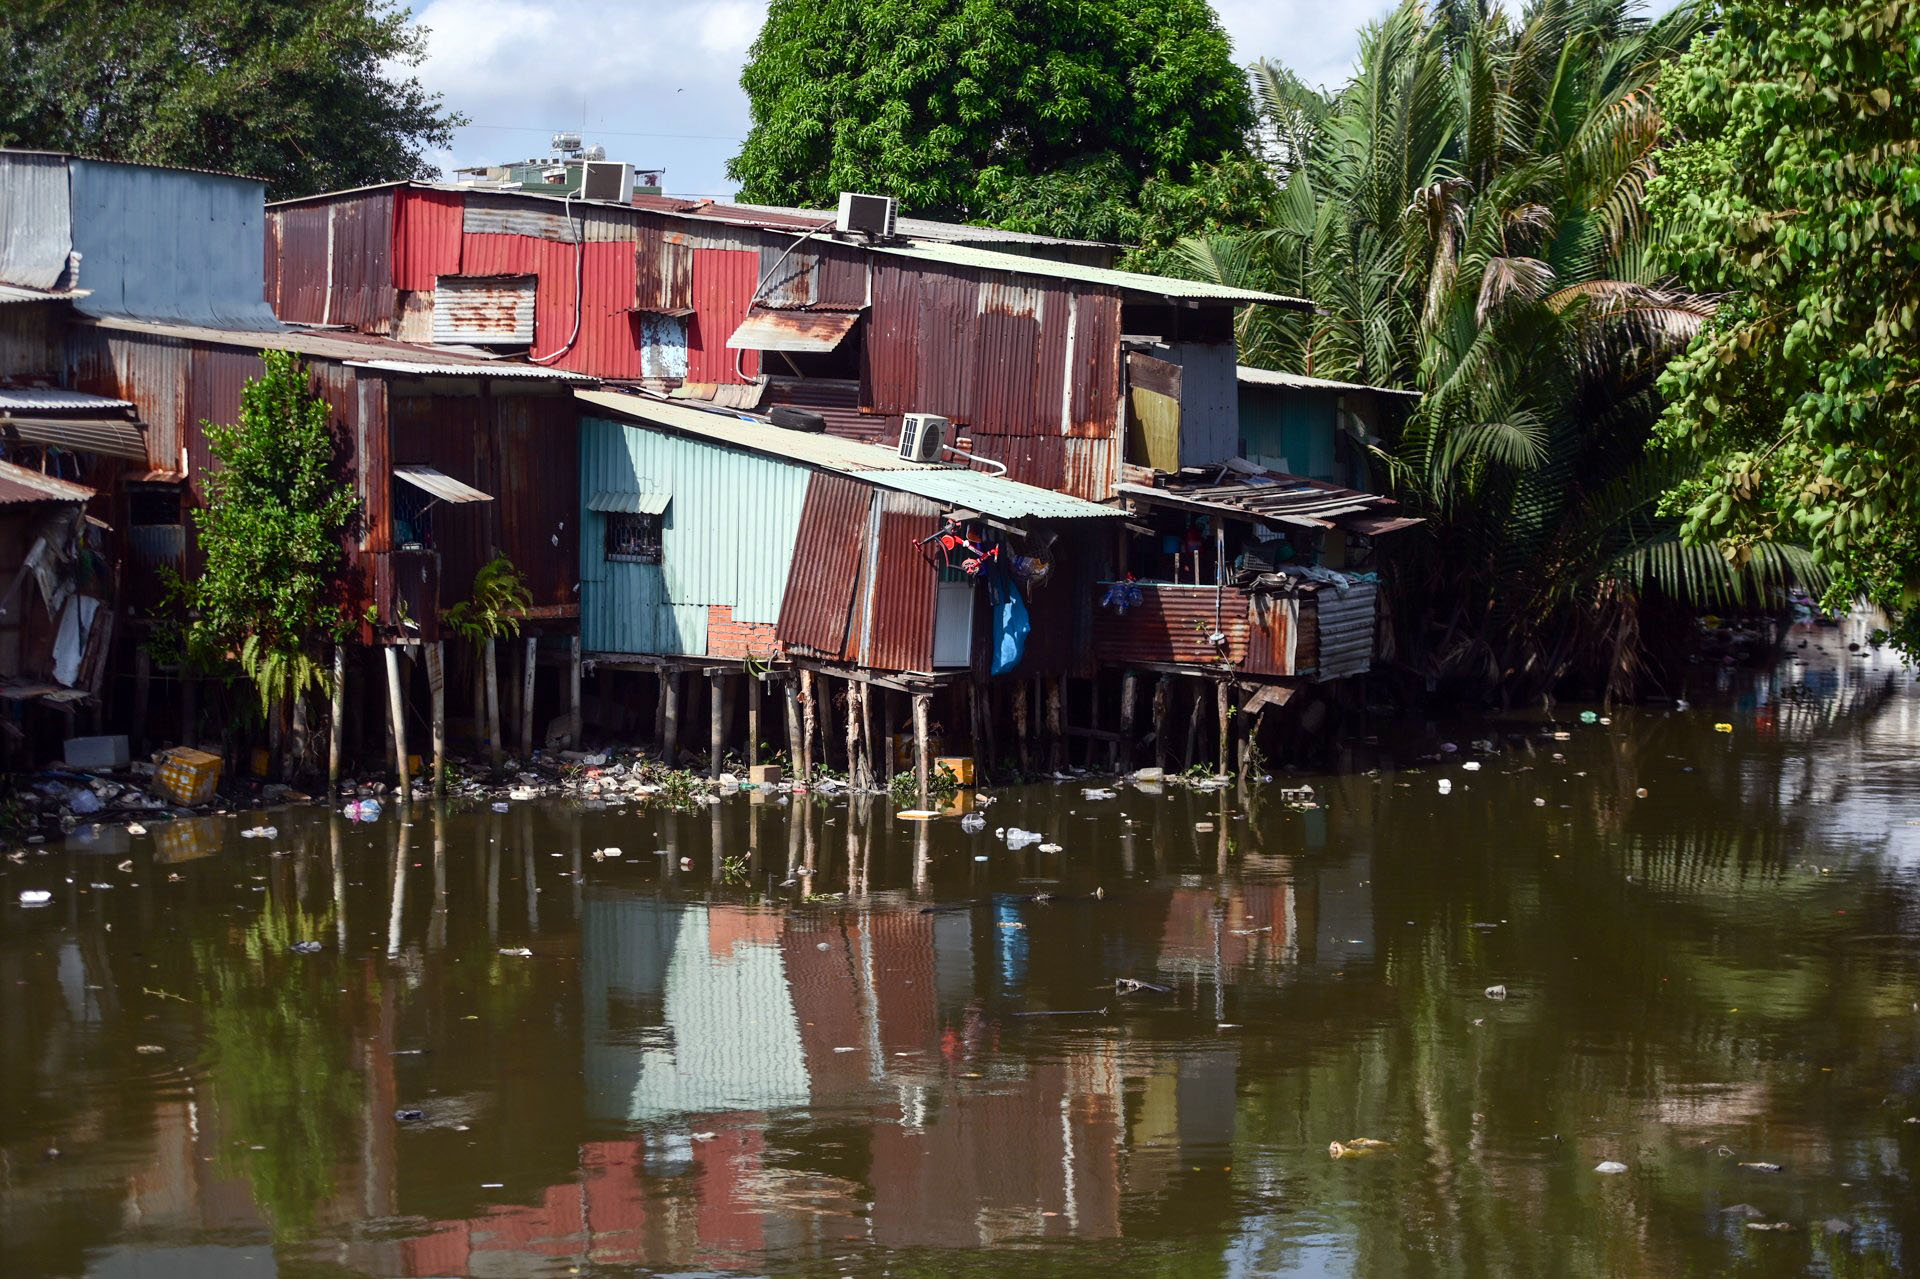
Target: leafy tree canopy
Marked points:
301	93
271	534
1036	115
1792	185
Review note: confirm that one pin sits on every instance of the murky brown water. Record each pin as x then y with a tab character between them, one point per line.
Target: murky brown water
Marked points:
700	1069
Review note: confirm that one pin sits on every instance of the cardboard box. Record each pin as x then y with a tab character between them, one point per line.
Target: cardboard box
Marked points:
764	774
188	776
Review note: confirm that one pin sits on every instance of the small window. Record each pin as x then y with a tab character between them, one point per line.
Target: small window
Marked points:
412	516
150	504
633	539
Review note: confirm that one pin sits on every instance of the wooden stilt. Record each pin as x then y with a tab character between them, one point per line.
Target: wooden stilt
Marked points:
1022	736
1223	713
1129	692
809	718
753	691
336	719
1193	726
1093	721
922	746
1056	726
716	725
856	767
529	665
796	751
142	692
300	748
437	690
396	709
671	684
492	677
576	729
660	712
1162	693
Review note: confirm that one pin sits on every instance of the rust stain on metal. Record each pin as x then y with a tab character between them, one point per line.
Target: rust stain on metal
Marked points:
766	329
828	558
1269	629
537	478
905	587
662	271
1171	625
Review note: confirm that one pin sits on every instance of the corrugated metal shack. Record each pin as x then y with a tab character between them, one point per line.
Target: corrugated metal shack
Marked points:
1315	427
719	540
1258	582
1017	339
452	455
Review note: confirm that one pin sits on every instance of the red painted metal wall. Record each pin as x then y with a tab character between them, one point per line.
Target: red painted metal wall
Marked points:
723	281
594	277
426	236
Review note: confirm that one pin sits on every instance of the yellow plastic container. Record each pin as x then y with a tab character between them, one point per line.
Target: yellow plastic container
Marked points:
961	766
188	776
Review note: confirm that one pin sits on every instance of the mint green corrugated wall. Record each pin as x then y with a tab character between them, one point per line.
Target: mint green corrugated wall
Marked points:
727	539
1289	430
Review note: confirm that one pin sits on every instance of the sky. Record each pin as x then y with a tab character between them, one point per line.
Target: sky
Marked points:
657	82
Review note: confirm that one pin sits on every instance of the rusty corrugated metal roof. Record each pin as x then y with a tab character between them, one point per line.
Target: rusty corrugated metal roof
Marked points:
827	566
766	329
1250	492
989	495
1301	382
1158	286
18	484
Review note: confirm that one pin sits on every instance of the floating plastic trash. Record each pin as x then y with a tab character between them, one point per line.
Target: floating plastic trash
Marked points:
361	810
35	897
260	832
1018	839
1446	786
973	823
1723	728
1609	1167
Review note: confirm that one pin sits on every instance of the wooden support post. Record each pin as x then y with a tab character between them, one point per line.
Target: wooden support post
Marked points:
716	726
1056	726
1093	721
301	749
397	709
809	719
336	719
1023	738
529	663
753	691
576	727
491	675
856	766
922	747
796	750
1193	725
142	691
1223	710
671	683
1162	693
660	711
1129	691
437	690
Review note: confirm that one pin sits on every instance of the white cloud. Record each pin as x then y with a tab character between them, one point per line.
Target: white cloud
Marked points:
658	81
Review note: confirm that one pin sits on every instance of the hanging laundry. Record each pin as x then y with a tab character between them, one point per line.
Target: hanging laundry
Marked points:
1010	621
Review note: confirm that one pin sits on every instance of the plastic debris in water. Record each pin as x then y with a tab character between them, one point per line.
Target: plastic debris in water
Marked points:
1609	1167
1496	992
1018	839
1472	766
973	823
1446	786
260	832
1760	1166
1050	848
1723	728
305	948
361	810
602	854
1589	717
35	897
516	952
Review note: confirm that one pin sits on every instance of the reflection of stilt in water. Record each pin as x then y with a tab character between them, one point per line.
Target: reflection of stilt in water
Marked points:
437	926
399	896
670	840
793	837
1219	961
339	869
804	816
716	839
579	874
493	880
1220	835
527	864
856	865
922	855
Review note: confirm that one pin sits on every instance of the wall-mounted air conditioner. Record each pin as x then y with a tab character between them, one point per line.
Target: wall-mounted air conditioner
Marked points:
869	214
922	436
606	180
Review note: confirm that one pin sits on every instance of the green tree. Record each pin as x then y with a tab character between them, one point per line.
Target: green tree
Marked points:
1792	185
1467	215
1031	114
499	601
271	533
310	95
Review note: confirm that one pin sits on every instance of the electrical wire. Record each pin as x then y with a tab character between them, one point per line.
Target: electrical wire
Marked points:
579	286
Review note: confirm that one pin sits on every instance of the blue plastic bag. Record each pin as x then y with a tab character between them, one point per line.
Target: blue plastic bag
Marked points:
1010	622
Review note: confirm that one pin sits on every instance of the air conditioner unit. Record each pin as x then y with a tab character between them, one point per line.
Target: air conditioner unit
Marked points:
922	436
606	180
872	214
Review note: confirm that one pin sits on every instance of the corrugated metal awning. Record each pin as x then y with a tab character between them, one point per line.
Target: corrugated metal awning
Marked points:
439	484
766	329
615	503
18	484
10	293
15	399
1301	382
494	309
429	368
109	437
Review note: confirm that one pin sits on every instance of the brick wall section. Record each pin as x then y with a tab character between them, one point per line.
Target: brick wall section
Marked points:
728	638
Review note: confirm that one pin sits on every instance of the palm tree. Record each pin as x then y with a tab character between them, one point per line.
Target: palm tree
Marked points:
1466	213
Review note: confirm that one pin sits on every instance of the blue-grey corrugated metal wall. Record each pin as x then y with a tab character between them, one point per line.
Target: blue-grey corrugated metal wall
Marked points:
727	539
1289	430
164	244
35	224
